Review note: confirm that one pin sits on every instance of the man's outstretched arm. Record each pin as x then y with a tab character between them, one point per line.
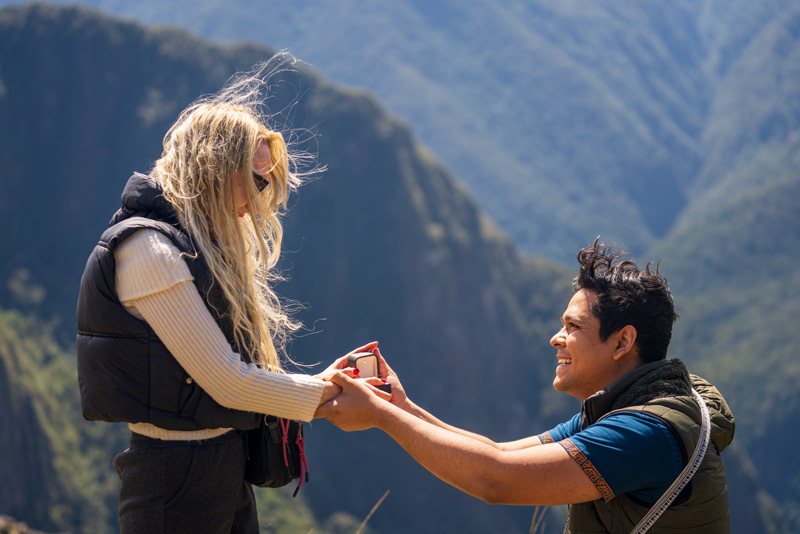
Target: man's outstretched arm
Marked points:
400	399
533	475
423	414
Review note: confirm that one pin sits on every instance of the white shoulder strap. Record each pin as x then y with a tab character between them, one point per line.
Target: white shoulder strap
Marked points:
688	472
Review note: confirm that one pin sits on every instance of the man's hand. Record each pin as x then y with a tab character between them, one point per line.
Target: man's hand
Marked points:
399	397
331	390
359	406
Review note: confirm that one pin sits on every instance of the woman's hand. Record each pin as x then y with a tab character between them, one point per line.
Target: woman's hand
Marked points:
341	363
331	389
385	375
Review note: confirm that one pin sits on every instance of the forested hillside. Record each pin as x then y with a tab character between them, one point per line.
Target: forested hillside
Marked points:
387	245
47	453
732	257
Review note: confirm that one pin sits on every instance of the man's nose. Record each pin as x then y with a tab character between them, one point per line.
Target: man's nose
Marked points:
558	339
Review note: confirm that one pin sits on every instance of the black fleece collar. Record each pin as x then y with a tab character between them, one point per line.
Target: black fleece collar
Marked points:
664	378
143	195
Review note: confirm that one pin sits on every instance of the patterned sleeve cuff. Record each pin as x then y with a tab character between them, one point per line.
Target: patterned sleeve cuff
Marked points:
588	468
546	438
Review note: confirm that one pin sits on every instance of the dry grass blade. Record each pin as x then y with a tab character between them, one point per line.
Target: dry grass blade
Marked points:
364	523
537	523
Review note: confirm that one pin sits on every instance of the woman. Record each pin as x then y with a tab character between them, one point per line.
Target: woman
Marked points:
179	329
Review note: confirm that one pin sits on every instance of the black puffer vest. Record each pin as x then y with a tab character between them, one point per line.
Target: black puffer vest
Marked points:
663	389
125	372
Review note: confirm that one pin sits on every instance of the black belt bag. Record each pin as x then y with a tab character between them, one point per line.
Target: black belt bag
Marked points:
276	453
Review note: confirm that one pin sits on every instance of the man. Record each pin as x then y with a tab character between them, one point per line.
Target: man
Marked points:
638	426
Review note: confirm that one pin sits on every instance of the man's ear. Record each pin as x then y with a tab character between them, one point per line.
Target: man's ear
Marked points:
626	342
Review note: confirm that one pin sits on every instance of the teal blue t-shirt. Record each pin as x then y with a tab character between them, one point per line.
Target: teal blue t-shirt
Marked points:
631	453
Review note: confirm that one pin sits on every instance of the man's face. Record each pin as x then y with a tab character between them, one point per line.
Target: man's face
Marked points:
585	364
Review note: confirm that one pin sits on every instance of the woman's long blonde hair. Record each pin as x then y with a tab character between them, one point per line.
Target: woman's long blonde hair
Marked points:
214	139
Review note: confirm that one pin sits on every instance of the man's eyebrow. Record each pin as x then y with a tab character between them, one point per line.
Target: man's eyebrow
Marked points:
567	318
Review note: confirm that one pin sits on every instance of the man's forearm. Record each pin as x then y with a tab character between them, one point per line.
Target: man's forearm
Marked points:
539	475
524	476
421	413
452	454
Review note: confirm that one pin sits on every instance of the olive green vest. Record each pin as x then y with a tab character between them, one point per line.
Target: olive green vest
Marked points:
702	507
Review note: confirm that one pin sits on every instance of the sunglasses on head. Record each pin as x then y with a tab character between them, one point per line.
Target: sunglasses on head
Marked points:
260	181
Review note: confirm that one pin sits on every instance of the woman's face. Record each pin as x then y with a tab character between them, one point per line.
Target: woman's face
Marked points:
262	163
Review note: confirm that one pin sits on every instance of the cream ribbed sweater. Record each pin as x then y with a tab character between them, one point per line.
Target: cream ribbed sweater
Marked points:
154	284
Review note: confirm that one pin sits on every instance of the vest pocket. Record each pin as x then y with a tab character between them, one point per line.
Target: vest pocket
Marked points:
190	394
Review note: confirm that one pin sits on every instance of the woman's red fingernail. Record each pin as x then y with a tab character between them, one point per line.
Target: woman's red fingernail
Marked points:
356	371
383	380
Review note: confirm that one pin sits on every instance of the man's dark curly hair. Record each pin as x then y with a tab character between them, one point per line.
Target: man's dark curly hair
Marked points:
627	295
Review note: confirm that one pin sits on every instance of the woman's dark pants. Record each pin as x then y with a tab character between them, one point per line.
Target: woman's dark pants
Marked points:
176	487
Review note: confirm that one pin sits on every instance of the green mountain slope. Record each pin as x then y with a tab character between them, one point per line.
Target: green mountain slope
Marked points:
51	468
732	257
753	129
739	290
